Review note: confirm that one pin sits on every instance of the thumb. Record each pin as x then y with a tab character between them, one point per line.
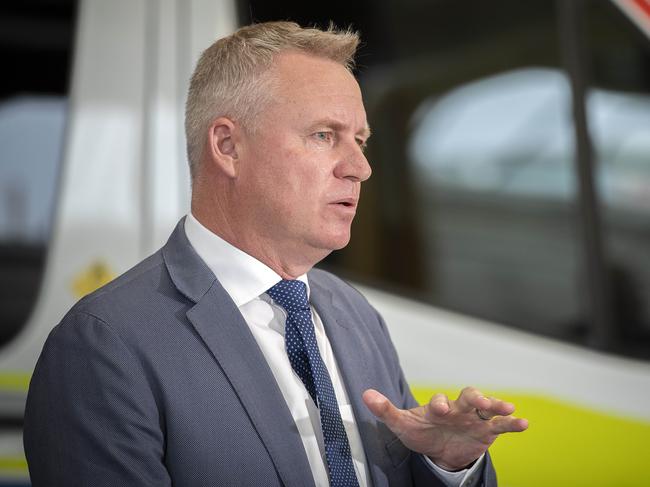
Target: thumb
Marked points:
381	407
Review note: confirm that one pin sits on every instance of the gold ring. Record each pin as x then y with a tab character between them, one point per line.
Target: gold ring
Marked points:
482	415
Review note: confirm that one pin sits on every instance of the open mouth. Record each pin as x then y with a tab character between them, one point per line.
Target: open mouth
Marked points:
347	203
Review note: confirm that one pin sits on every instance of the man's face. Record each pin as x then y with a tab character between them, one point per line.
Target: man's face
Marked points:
301	171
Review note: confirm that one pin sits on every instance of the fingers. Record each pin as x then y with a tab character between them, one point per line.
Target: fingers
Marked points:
508	424
439	405
381	407
501	408
495	413
471	399
491	409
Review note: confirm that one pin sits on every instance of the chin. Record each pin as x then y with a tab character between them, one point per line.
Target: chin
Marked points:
329	237
338	242
328	243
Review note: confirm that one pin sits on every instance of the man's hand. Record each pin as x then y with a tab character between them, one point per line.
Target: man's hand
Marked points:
451	433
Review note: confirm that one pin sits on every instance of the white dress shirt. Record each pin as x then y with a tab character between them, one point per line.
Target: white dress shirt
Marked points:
246	280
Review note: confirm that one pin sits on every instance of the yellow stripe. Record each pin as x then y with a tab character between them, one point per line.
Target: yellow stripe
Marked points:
566	445
13	464
14	381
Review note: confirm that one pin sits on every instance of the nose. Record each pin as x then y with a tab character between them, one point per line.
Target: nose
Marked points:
353	165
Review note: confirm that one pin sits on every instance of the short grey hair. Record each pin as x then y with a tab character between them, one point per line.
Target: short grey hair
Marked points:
229	76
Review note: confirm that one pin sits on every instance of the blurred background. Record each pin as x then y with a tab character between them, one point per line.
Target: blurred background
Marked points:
505	229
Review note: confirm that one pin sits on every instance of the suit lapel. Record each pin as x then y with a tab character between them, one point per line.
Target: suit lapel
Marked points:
351	347
224	331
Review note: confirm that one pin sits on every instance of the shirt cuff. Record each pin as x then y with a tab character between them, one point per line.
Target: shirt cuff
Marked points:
454	479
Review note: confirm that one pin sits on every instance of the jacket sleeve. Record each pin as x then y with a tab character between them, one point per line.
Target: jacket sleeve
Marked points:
91	417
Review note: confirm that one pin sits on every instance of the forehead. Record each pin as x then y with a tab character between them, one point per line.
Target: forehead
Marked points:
300	67
309	83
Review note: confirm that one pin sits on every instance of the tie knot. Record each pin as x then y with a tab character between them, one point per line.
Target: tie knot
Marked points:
291	295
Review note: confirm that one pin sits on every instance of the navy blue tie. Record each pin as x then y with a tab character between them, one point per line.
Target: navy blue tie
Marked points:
302	349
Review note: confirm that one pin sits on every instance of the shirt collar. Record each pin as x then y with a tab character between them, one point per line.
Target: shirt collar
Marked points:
242	276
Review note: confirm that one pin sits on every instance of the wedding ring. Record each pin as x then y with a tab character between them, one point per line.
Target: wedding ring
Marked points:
482	415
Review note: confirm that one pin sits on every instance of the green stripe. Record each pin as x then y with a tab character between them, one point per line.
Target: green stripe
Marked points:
566	444
14	381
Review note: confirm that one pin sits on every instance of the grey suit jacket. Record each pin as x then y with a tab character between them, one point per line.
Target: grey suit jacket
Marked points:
155	380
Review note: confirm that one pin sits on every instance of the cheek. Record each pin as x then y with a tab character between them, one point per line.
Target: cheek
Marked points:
289	175
300	175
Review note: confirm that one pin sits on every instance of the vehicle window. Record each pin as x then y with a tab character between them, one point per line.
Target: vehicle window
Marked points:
493	183
35	48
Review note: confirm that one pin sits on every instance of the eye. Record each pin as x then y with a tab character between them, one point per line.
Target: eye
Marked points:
324	136
362	144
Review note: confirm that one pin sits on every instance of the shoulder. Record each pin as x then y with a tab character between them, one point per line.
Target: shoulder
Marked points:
135	306
129	290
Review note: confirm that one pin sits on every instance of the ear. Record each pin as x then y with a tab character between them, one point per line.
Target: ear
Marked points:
222	147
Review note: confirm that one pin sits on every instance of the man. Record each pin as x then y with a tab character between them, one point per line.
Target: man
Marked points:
224	358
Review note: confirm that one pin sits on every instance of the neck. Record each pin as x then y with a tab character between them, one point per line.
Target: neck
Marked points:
289	261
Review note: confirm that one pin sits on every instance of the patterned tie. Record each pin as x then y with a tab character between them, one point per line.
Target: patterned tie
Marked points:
302	349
